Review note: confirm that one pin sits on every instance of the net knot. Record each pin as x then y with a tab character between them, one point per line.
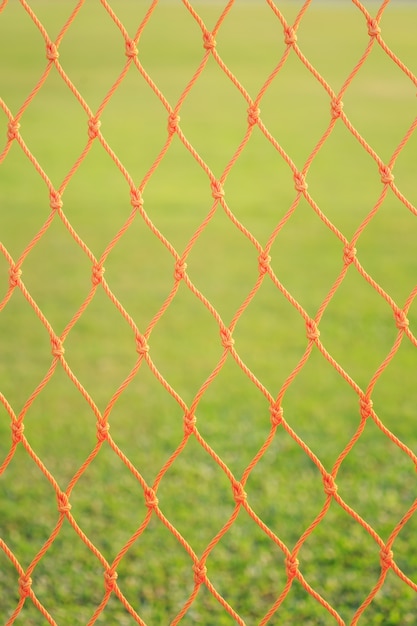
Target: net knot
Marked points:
217	190
64	505
179	270
349	254
373	28
17	431
401	320
277	414
291	564
336	108
52	53
97	275
239	493
300	183
330	487
386	557
55	201
263	262
189	423
110	578
290	36
227	339
386	175
313	332
253	115
93	127
173	120
130	48
25	584
208	40
102	430
12	130
366	405
200	573
142	346
58	349
151	500
14	276
136	199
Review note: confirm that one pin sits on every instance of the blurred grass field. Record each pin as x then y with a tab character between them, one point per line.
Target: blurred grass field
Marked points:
339	560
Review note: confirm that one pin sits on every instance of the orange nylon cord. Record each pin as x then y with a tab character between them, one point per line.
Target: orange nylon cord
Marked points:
142	338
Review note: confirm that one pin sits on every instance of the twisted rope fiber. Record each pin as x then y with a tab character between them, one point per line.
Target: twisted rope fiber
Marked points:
95	134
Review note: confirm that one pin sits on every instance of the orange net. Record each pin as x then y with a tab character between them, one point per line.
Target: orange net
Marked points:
181	263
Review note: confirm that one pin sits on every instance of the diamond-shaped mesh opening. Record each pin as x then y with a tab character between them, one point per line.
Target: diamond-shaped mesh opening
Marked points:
56	275
155	565
295	90
100	345
19	76
204	608
47	125
175	205
392	22
135	124
341	164
259	189
26	529
61	407
97	193
191	510
380	79
129	13
148	423
5	424
226	125
180	361
177	40
398	604
31	342
150	262
356	344
29	613
30	213
52	18
73	586
345	39
8	577
306	256
250	64
223	265
407	565
270	336
388	252
404	165
85	48
108	522
4	277
383	496
235	430
246	548
395	394
284	502
331	562
322	409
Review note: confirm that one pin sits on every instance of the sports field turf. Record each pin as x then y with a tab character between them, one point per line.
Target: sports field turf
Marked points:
340	560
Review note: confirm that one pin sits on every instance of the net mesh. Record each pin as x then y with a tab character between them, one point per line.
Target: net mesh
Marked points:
179	267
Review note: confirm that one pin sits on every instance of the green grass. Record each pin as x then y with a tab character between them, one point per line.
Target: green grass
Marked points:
339	560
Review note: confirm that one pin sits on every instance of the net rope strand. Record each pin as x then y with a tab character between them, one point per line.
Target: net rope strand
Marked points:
142	338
